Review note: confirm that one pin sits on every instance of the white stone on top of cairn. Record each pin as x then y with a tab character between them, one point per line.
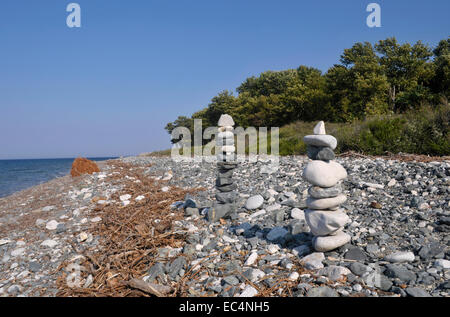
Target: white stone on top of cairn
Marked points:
225	121
319	129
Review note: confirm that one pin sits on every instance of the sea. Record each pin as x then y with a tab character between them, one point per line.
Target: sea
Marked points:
17	175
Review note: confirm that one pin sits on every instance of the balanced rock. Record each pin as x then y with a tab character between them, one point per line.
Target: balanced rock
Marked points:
321	140
319	129
320	192
325	203
324	174
328	243
325	222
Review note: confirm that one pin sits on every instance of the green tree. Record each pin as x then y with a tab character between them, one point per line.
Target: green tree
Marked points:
408	70
441	79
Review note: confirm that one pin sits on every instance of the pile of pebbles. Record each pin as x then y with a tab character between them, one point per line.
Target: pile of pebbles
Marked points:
324	217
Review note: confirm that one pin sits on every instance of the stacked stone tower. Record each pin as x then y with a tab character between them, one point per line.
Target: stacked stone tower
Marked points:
226	163
324	217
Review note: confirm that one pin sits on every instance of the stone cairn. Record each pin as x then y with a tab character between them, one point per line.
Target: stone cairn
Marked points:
226	163
324	217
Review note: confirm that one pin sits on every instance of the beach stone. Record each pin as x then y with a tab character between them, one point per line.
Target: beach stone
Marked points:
319	129
398	257
313	261
334	272
359	268
297	213
82	166
324	174
18	252
442	264
322	291
176	266
254	202
355	254
321	140
417	292
320	192
218	211
249	291
228	157
251	259
328	243
276	233
51	225
222	181
226	197
225	120
226	188
325	203
324	222
231	280
378	280
49	243
325	154
400	272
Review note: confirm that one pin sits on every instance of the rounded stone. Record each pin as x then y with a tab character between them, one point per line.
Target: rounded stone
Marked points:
324	244
324	174
254	202
225	142
398	257
325	203
225	120
321	140
225	135
325	222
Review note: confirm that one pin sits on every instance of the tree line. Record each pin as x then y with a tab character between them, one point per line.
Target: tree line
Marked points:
385	78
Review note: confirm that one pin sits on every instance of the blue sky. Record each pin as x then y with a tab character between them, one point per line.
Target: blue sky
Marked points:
109	87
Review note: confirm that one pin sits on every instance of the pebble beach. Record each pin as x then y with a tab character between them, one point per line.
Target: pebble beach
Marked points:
399	228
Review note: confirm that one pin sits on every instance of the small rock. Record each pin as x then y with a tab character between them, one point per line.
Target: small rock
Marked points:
51	225
313	261
399	257
254	202
249	291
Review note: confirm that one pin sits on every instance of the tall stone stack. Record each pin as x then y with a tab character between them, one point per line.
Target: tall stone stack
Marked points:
324	217
226	163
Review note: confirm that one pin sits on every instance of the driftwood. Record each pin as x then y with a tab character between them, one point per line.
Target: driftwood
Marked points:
151	288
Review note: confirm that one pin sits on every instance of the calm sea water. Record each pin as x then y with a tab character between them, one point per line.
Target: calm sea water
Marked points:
16	175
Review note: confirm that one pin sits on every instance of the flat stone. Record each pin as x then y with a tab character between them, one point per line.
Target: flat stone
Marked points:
18	252
320	192
222	181
218	211
226	197
225	141
251	259
334	272
313	261
378	280
325	203
51	225
319	129
249	291
231	279
254	202
400	272
417	292
355	254
442	264
225	120
322	291
49	243
321	140
276	233
399	257
324	174
297	213
325	222
226	188
328	243
359	268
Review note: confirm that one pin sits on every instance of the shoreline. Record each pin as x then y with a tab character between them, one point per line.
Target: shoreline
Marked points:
46	227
